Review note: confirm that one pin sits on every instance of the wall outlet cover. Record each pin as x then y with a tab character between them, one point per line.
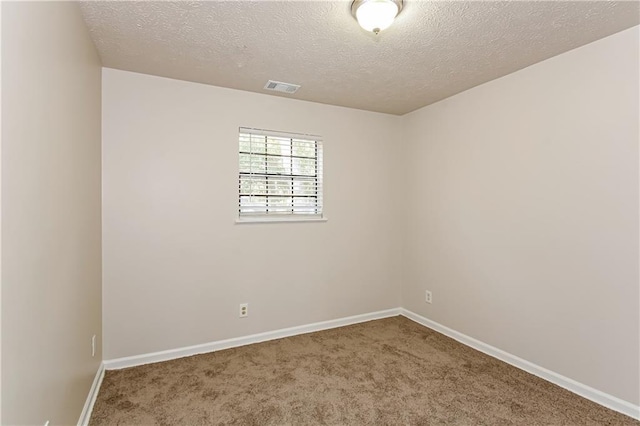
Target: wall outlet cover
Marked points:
244	310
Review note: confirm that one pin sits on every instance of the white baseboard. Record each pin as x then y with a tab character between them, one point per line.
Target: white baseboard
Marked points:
583	390
91	398
578	388
170	354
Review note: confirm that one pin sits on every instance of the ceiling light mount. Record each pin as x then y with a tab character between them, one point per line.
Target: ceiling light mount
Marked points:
375	15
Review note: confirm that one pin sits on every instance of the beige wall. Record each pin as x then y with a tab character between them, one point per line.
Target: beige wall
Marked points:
520	213
0	218
176	266
523	218
51	275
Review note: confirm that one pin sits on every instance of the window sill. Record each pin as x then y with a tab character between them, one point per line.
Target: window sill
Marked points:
262	219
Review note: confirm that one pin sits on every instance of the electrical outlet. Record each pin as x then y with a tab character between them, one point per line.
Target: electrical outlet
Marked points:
93	346
428	297
244	310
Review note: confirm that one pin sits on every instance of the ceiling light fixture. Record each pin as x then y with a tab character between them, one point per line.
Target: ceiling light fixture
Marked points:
375	15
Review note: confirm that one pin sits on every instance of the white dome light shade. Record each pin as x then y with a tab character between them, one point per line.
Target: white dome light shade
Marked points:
376	15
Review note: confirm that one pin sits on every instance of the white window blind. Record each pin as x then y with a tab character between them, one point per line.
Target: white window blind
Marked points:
280	174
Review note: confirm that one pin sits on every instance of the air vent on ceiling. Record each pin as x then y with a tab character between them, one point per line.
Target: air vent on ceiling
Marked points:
278	86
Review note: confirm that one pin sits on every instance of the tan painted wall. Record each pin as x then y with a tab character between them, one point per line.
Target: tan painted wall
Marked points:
51	255
520	214
176	266
523	218
0	217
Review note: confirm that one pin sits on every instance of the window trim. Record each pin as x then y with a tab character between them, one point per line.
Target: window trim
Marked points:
287	217
279	219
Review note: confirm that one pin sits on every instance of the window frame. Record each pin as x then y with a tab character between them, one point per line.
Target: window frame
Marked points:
318	177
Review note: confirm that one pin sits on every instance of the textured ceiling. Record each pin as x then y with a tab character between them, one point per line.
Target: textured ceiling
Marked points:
433	50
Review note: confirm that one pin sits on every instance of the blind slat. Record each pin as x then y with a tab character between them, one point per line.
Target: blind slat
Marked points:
248	132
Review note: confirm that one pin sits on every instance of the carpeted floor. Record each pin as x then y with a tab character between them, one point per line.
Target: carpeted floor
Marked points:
386	372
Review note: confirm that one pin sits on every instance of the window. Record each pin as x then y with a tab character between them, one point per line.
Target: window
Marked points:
280	175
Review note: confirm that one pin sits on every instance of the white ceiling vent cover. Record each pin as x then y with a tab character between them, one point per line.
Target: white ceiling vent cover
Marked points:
278	86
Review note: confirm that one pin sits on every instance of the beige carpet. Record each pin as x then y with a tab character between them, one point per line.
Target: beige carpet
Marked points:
385	372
